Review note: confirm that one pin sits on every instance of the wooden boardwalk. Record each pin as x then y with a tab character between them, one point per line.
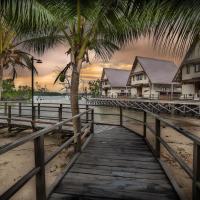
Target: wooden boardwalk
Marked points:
116	164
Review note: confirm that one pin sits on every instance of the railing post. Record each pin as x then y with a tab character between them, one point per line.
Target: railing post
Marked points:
196	171
87	107
121	116
9	118
157	137
60	110
78	143
39	162
20	109
5	108
33	118
38	110
92	121
144	124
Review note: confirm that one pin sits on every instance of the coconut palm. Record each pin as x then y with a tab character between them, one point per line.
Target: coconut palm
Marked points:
87	26
104	27
18	26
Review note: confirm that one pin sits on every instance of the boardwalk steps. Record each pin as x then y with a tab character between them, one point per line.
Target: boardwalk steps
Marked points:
116	164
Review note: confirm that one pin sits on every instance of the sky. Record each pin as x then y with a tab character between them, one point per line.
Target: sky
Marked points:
55	59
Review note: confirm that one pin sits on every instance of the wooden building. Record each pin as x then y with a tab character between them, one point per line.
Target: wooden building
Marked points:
153	78
113	82
189	73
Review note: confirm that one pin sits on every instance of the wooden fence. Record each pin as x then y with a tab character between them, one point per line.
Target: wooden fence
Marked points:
41	162
38	137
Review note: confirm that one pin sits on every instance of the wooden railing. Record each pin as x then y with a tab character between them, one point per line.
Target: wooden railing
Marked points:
194	173
41	161
38	137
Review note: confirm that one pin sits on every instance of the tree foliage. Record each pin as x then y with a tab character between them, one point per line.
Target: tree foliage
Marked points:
11	93
94	87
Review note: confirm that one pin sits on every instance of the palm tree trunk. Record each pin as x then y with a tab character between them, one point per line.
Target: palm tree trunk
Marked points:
1	78
74	99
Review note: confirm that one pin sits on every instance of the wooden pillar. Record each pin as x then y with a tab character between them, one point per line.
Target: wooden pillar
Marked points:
121	116
92	121
9	119
20	109
60	111
33	118
87	107
78	143
144	124
5	108
172	92
38	110
39	162
157	138
196	171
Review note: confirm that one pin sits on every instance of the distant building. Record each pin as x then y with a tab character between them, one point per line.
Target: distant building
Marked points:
153	78
189	72
113	82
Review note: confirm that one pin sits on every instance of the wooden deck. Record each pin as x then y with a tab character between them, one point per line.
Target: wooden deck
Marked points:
116	164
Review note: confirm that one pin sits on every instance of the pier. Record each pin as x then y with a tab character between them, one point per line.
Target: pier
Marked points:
115	162
182	107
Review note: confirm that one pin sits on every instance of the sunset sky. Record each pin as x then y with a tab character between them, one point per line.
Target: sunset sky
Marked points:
56	59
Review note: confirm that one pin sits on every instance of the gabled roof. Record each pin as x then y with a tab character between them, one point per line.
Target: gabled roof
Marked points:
192	57
158	71
116	77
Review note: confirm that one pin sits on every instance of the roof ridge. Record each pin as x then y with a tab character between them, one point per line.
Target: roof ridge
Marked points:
155	59
116	69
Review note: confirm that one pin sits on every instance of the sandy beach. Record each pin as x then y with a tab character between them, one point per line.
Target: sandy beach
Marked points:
16	163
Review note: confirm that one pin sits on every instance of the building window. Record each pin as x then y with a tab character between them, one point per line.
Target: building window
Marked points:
145	77
197	68
188	69
139	77
133	78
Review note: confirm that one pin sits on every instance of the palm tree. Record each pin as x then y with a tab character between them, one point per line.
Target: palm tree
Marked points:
19	26
104	27
89	26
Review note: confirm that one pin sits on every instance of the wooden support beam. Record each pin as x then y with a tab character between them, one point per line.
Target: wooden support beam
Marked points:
38	110
144	124
157	128
5	108
121	116
20	109
40	162
196	171
9	118
87	107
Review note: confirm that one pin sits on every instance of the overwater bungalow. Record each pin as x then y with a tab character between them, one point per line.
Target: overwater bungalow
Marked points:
189	73
153	78
113	82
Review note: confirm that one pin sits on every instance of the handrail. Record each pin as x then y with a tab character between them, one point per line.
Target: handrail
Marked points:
194	173
40	161
39	133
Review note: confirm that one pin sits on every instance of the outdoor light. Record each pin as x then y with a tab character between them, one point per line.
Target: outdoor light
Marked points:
32	81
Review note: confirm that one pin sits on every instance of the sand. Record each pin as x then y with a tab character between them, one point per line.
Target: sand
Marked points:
16	163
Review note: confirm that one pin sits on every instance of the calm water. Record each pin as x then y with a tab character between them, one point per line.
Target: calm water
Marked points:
99	110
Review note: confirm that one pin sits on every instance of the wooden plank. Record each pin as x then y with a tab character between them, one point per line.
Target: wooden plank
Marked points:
115	165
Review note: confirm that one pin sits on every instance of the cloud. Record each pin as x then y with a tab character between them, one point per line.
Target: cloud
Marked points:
123	59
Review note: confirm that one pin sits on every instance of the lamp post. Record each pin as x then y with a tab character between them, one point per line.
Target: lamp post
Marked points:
32	79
